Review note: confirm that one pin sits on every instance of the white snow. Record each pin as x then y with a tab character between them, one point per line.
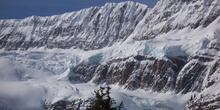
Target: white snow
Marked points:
30	78
39	86
34	92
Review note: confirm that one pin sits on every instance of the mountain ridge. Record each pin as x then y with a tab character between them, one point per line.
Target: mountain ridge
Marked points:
129	22
174	46
59	31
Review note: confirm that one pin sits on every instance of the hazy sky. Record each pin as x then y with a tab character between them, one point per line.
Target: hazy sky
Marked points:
10	9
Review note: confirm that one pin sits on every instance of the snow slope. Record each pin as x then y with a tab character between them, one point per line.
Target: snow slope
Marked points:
164	55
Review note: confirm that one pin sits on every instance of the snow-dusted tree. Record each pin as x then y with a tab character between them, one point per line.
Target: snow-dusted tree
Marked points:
103	101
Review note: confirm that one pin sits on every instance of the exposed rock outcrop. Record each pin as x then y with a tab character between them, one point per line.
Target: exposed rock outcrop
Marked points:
134	72
207	102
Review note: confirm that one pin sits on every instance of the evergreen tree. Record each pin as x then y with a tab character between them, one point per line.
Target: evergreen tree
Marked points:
103	100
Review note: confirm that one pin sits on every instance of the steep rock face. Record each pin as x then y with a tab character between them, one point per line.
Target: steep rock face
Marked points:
82	73
91	28
205	79
134	72
197	73
181	74
192	76
204	102
143	72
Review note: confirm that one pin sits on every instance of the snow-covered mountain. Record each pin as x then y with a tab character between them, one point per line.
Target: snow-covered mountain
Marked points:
91	28
172	49
98	27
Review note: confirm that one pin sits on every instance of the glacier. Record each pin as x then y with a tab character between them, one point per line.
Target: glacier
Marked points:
152	58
